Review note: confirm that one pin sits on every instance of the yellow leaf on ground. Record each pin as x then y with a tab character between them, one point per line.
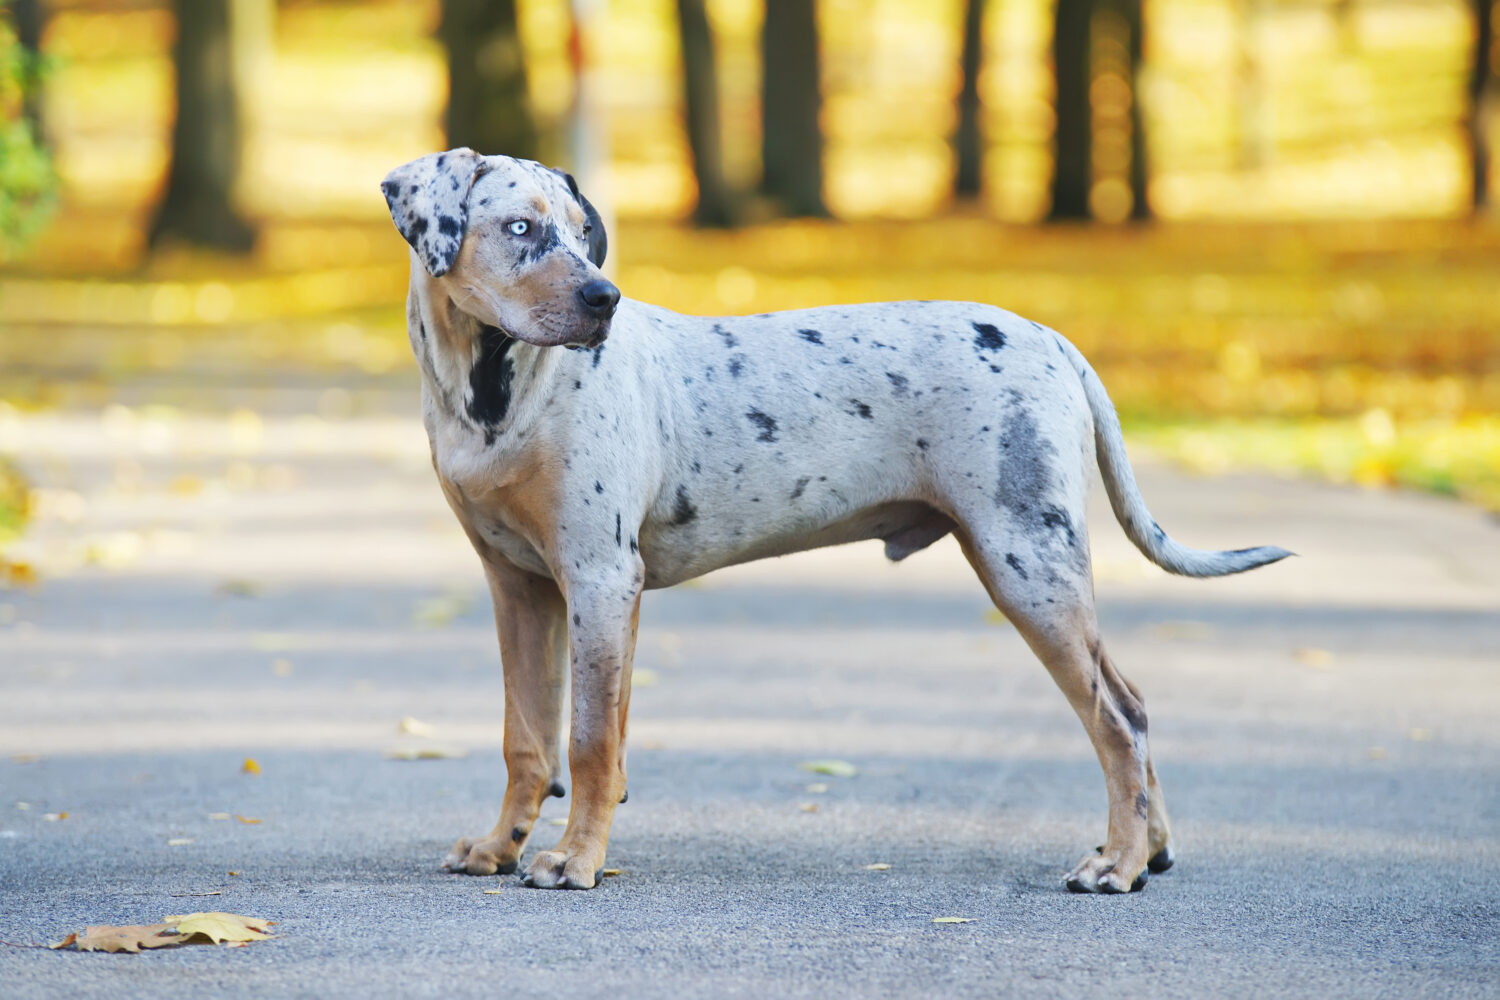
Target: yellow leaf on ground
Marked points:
879	866
493	892
1311	656
219	927
250	766
179	841
414	727
433	751
611	872
247	820
218	815
954	920
836	768
54	817
808	807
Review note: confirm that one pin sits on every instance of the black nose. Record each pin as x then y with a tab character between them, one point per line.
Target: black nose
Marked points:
600	298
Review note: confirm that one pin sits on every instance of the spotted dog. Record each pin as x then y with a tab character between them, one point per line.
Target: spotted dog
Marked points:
661	446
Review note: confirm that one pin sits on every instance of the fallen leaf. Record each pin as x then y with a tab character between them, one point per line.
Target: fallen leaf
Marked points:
432	751
808	807
836	768
218	815
954	920
247	820
179	841
1312	656
129	939
414	727
611	872
250	766
234	873
879	866
493	892
54	817
219	927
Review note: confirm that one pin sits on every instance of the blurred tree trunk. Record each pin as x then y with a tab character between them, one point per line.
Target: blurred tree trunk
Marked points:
28	24
968	142
1072	169
487	96
1140	166
700	84
791	98
1479	83
198	205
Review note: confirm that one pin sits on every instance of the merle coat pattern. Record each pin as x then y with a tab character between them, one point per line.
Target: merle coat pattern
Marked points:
662	446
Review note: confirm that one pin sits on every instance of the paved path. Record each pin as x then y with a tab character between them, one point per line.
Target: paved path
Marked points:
217	586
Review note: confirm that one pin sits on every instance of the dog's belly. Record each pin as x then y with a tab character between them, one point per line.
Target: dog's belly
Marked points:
905	526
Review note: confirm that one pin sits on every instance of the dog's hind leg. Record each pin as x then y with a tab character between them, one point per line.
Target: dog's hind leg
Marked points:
531	618
1043	587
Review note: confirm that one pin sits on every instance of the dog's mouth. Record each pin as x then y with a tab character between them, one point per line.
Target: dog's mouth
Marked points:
596	338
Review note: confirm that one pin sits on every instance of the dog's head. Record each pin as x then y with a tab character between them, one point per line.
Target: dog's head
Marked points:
513	243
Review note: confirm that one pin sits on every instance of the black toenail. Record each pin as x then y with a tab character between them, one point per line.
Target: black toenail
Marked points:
1161	861
1140	882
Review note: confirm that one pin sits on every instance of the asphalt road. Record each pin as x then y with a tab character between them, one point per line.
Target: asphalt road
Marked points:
216	588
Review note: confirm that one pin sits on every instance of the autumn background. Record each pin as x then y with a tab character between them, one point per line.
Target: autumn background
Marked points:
1265	221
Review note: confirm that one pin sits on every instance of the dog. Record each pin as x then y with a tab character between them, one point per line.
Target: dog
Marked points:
659	447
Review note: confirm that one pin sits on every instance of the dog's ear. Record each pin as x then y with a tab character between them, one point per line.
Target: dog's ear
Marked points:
429	202
598	238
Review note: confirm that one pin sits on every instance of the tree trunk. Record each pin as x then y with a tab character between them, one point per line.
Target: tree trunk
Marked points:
968	142
791	98
487	103
1140	166
198	207
28	24
1072	161
1479	146
700	86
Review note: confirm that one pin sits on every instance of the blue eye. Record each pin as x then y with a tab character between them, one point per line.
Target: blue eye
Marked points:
519	228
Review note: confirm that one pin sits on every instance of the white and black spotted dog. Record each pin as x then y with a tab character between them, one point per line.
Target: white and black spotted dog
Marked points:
681	444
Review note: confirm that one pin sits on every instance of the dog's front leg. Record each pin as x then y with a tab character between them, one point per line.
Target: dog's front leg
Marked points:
531	618
603	626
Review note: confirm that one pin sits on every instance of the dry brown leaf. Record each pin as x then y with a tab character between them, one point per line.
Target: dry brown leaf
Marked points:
131	939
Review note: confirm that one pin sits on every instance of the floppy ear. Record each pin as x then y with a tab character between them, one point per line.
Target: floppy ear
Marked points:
598	238
429	202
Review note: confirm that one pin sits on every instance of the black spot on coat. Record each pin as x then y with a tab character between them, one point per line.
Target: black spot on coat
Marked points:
859	409
765	422
987	337
683	510
490	381
1015	564
811	336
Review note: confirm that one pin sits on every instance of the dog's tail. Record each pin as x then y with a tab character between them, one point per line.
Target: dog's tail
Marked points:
1130	507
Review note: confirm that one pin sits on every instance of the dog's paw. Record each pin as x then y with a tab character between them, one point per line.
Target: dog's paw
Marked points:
1102	874
561	870
483	856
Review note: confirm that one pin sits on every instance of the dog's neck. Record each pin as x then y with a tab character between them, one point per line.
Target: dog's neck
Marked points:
477	375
